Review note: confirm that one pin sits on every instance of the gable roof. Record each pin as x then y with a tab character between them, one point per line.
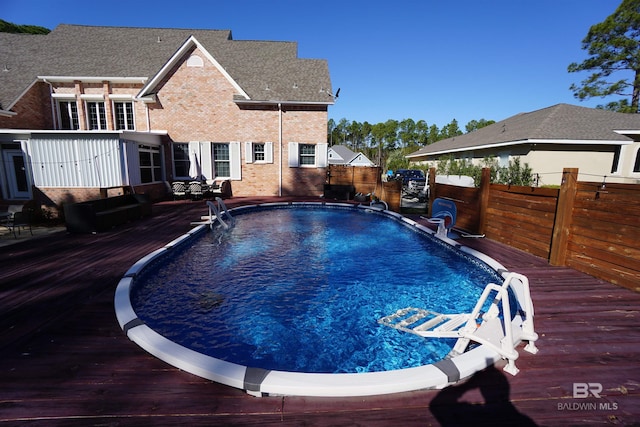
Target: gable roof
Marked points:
558	124
347	156
119	52
345	153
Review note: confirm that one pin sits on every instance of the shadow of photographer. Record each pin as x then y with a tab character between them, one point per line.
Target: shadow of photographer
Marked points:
448	408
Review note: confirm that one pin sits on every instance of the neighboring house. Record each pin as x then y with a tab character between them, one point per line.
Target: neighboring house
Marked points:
599	143
342	155
85	110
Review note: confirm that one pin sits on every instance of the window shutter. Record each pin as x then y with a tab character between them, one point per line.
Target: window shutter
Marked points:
248	152
268	152
194	147
294	161
321	155
235	161
206	160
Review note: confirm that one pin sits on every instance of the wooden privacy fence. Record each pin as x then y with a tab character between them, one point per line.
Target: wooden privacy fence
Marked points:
591	227
364	178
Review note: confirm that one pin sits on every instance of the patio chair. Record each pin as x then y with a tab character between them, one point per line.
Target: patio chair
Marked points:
179	190
220	188
443	213
195	190
18	219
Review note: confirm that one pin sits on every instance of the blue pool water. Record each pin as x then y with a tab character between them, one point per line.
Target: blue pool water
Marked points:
301	288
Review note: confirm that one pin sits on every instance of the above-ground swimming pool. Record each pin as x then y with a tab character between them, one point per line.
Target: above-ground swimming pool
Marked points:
287	301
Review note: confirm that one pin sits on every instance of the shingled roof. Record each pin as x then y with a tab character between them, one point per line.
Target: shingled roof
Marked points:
265	70
561	123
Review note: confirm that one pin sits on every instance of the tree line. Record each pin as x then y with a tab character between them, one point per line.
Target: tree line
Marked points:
9	27
393	138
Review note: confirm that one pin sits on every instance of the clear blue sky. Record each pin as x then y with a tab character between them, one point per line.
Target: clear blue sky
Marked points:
426	60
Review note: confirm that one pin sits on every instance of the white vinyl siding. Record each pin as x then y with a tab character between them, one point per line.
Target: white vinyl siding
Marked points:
78	162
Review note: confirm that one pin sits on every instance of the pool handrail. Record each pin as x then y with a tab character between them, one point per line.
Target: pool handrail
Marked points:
216	211
490	322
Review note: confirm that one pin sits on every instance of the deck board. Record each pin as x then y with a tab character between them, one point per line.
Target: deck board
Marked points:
65	361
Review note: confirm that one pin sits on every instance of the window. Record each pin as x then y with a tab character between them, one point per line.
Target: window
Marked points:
195	61
68	115
503	159
150	164
307	155
96	116
181	159
221	160
258	152
636	165
616	160
124	115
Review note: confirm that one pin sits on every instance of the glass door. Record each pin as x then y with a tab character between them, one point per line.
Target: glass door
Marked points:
18	186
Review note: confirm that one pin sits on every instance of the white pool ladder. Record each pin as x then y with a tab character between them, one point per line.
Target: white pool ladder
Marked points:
500	334
216	213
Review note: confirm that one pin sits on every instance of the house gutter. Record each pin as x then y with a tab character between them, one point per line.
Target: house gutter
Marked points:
520	142
279	103
6	113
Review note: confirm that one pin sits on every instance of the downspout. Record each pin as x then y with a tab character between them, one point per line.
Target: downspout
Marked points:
124	146
146	109
280	143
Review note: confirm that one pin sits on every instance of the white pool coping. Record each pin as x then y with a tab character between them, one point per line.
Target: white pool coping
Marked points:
261	382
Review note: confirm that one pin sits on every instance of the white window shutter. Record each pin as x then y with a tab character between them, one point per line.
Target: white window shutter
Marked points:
268	152
321	155
294	161
206	160
248	152
194	146
235	161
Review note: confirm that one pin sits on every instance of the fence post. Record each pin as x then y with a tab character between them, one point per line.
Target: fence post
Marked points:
432	187
485	186
564	214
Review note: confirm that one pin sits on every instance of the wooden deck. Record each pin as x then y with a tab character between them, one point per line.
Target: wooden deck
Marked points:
65	361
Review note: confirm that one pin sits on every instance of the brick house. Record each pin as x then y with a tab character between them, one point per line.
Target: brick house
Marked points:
87	110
